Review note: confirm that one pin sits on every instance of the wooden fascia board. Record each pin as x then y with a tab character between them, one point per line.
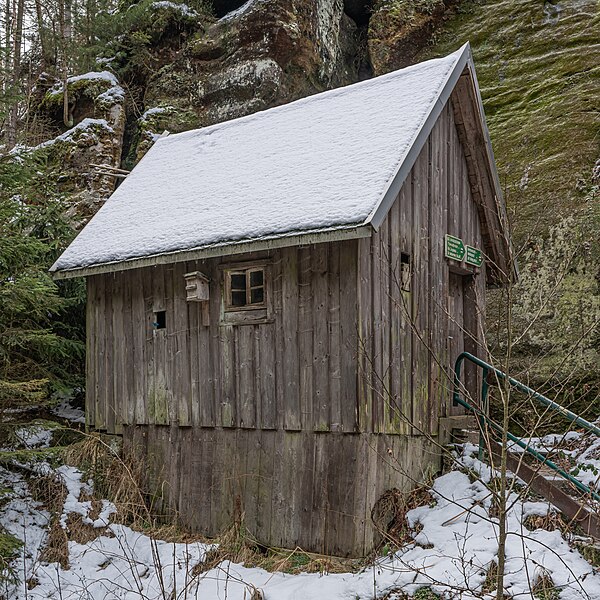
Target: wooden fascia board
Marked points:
483	177
229	249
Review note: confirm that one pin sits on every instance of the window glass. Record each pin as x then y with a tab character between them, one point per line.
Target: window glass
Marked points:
238	281
257	295
245	288
256	278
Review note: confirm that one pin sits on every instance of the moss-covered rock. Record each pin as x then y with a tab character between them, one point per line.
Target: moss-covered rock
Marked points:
398	30
267	54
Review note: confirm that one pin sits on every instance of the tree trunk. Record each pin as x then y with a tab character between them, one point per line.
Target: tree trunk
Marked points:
47	55
11	129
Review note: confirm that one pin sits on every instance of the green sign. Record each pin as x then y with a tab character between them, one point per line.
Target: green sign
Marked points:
474	256
454	248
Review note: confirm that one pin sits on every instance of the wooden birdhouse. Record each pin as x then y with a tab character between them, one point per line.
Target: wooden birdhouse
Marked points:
196	287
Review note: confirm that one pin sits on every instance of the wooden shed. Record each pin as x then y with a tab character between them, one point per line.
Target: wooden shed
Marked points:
275	302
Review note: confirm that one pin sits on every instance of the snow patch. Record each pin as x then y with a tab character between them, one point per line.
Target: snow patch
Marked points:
72	480
184	9
91	76
238	12
34	437
84	128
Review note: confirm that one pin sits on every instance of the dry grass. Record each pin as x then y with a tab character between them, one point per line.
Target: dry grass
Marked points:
121	480
550	522
238	545
544	587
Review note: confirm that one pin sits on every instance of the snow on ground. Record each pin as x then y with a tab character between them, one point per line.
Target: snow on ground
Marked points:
454	544
36	436
65	410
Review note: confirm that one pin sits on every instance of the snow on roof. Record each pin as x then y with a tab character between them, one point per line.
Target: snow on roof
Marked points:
324	162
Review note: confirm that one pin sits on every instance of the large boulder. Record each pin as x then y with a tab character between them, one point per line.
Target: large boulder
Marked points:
262	54
92	135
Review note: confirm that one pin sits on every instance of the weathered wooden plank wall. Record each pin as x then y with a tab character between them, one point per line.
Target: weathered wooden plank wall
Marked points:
410	339
286	372
295	488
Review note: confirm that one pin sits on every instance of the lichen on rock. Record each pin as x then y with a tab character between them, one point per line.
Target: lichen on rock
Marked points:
266	54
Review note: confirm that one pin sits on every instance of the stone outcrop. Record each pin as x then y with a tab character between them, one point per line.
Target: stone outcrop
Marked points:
262	54
93	135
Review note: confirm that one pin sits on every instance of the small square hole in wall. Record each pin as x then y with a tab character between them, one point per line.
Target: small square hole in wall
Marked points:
160	319
405	272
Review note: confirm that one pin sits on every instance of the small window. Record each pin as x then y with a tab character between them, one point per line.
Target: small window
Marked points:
160	319
245	288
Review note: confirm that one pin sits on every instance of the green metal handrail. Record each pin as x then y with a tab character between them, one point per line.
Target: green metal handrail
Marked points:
483	417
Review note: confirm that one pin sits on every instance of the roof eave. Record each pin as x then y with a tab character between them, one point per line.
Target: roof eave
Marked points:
337	234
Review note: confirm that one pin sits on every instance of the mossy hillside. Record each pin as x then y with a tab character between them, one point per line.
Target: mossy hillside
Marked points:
539	71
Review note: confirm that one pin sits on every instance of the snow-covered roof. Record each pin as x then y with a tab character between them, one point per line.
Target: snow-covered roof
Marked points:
331	162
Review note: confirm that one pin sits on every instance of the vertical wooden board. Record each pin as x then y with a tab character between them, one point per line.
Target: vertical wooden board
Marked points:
277	334
438	273
109	373
175	469
344	529
207	375
228	376
395	422
306	480
170	372
118	358
159	398
320	299
100	320
90	353
186	502
203	476
266	386
376	348
182	384
365	333
129	366
320	503
198	377
291	489
349	335
406	324
266	485
371	489
251	479
246	367
420	296
240	477
223	470
281	471
213	352
305	336
386	286
334	342
455	178
292	406
142	331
